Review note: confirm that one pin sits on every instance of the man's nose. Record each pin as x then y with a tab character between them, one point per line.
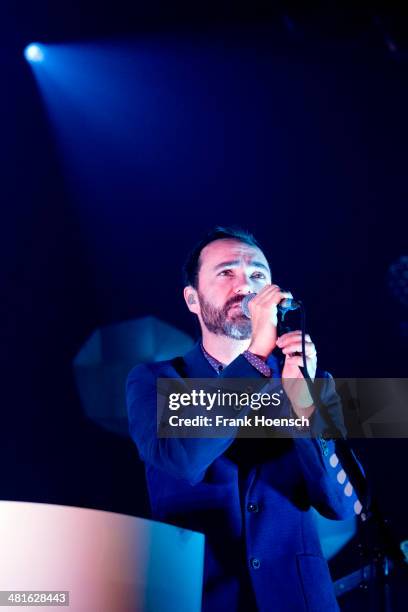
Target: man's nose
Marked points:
243	285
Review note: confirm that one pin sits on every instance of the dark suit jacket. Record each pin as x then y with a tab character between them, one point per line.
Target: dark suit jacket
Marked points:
251	498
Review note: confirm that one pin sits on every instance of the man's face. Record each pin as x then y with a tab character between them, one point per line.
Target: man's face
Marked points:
229	270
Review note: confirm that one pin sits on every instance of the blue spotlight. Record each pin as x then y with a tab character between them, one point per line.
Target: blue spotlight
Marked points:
34	53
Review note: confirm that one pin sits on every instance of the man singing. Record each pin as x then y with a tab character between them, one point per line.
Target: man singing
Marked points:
251	498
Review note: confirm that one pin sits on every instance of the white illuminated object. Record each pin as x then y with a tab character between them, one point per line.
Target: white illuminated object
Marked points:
34	53
341	476
108	562
348	490
334	460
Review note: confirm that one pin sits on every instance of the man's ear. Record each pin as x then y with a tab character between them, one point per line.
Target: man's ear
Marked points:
191	299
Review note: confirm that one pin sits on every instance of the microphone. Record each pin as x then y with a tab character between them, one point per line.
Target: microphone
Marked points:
283	307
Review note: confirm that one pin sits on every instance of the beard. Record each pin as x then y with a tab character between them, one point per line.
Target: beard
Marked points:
222	323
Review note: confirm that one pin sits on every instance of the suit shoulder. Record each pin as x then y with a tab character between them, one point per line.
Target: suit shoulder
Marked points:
152	370
323	374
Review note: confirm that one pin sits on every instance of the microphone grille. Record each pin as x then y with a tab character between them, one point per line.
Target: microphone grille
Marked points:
245	302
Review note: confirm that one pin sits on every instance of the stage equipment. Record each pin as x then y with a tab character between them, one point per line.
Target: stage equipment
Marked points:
106	358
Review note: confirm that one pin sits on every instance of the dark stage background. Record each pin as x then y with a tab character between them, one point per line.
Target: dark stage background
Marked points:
167	120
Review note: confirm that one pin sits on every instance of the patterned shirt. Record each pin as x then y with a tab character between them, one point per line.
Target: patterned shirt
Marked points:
258	363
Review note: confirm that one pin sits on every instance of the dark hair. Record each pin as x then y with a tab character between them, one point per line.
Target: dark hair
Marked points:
191	267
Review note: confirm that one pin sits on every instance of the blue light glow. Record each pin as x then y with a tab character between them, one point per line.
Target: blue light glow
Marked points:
34	53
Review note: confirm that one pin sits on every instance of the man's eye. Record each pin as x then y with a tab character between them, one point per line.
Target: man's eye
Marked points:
258	275
225	273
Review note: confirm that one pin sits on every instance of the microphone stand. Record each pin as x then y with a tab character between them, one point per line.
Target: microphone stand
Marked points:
386	551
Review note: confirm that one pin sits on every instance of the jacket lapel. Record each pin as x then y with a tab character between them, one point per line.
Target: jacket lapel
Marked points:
196	365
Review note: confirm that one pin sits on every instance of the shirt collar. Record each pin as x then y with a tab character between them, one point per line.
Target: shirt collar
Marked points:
214	363
272	362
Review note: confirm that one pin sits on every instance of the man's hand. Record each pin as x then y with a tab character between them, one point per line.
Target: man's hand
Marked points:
292	378
264	318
